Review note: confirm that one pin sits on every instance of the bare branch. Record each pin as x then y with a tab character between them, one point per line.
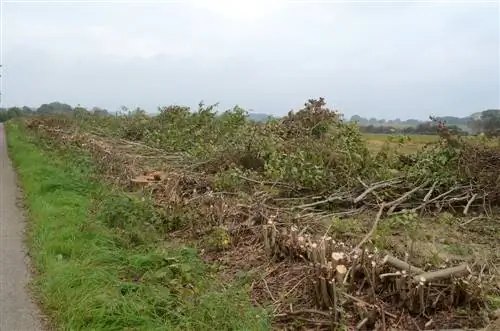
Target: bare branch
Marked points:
373	188
401	265
372	230
458	271
466	210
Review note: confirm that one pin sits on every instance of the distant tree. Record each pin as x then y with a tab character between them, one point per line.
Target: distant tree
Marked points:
475	125
28	110
452	120
12	112
491	122
100	111
54	108
412	121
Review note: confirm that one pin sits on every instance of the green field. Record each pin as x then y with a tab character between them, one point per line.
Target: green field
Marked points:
414	143
416	138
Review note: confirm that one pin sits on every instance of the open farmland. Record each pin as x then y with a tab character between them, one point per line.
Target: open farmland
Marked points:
415	138
320	228
406	143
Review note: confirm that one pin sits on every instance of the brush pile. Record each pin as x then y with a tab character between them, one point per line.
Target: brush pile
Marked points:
271	186
356	284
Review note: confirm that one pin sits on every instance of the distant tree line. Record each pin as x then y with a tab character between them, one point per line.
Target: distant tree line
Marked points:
487	121
425	128
46	108
8	113
450	120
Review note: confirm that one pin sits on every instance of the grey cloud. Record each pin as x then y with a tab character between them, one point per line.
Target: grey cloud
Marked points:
383	61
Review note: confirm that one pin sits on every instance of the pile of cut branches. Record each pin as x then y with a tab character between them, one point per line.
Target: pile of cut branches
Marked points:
262	187
368	289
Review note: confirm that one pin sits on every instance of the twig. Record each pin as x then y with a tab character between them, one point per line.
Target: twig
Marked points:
364	303
313	204
395	203
435	199
349	212
304	311
374	187
429	194
390	274
268	290
466	210
360	325
471	220
372	230
416	325
142	145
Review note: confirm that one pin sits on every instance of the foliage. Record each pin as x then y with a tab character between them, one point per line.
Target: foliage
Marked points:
54	108
309	151
491	122
13	112
135	217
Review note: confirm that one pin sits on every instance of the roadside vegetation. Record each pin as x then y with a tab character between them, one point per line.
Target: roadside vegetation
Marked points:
303	216
100	266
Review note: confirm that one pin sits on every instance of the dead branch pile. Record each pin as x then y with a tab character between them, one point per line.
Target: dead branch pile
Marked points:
402	196
342	277
480	164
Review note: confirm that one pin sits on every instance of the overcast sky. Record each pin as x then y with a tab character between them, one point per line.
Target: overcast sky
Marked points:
382	60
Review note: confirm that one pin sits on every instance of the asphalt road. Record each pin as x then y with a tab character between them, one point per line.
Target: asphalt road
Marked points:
17	311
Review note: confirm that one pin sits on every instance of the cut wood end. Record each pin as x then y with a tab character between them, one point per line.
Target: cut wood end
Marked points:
341	269
337	256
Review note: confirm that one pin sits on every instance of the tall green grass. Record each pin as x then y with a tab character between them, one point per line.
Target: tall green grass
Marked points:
100	267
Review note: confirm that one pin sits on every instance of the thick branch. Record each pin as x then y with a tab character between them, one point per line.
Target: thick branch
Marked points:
373	188
458	271
429	194
395	203
466	210
401	265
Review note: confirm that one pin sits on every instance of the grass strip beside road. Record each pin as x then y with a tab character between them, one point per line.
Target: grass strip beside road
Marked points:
92	275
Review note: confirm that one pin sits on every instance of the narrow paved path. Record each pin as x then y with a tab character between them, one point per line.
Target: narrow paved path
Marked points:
17	311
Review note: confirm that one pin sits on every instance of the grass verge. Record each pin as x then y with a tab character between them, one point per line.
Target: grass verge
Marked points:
93	272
